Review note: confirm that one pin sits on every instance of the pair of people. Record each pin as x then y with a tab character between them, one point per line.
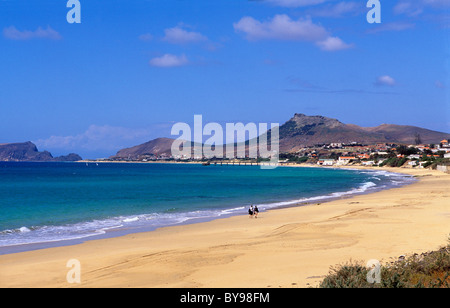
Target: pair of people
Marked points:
253	211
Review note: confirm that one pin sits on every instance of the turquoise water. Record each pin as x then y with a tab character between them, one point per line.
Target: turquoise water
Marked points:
48	202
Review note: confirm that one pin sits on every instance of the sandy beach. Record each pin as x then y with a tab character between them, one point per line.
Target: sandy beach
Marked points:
289	248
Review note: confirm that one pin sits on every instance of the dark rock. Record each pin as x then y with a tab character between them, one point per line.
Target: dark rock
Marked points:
27	151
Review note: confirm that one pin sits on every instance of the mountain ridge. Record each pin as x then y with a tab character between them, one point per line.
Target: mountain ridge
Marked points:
303	130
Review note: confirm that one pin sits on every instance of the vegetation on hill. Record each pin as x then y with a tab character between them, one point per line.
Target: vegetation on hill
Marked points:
427	270
394	162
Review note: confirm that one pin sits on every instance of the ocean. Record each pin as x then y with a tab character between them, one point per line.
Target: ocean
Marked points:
52	204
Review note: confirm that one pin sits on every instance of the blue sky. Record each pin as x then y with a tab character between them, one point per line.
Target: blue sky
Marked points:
133	68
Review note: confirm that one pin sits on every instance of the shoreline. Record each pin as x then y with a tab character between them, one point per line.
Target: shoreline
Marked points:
122	230
292	246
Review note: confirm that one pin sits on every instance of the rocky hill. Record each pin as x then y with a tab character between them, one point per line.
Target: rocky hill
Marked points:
303	130
408	134
154	147
27	151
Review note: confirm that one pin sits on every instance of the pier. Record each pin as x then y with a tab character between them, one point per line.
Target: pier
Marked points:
233	162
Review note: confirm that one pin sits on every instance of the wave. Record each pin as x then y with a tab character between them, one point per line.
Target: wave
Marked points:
395	179
361	189
47	234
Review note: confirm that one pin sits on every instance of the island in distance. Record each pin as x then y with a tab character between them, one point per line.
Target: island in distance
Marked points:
27	151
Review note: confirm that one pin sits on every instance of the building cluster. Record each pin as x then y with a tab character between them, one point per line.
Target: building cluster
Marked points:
376	154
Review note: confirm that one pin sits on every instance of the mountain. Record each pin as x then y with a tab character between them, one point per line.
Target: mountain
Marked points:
27	151
155	147
408	134
303	130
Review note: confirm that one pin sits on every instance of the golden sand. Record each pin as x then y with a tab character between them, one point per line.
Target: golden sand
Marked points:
291	247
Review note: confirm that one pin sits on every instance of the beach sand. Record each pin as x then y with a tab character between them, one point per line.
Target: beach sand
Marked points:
290	247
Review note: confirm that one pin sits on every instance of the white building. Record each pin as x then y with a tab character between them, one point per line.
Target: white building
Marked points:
414	156
368	163
381	161
326	162
336	145
343	160
421	163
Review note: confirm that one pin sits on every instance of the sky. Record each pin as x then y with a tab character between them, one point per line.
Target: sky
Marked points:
133	68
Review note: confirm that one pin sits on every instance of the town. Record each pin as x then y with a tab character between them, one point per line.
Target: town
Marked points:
380	154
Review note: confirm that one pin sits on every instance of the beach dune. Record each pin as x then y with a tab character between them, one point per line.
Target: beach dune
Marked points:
290	247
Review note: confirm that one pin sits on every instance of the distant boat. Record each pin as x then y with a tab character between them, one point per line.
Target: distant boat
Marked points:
206	164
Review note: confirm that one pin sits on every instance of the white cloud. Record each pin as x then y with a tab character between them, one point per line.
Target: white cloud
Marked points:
408	8
103	140
13	33
169	60
282	27
340	9
295	3
392	26
413	8
385	81
437	3
96	138
178	35
333	44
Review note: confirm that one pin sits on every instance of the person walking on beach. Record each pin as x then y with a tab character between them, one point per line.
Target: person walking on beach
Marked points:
250	211
256	211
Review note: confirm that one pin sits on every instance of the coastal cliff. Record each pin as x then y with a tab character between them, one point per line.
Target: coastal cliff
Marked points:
27	151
